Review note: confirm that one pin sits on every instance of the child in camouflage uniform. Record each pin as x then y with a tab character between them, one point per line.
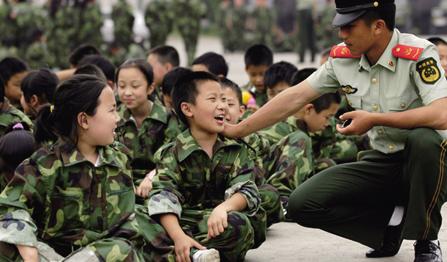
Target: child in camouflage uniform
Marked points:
204	193
258	149
12	71
76	195
291	160
143	122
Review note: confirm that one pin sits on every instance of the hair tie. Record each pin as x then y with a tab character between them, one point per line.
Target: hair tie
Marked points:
51	109
18	126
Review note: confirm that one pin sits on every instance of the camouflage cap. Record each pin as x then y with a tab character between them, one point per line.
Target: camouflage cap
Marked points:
350	10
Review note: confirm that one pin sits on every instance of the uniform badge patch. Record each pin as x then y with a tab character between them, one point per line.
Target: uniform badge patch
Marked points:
428	70
349	89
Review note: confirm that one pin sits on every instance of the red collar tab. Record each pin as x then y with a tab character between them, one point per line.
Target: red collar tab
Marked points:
341	52
407	52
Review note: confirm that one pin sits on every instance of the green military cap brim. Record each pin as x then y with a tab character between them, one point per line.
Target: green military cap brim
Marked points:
347	18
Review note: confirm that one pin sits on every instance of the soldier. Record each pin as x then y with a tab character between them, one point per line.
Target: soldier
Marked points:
143	122
204	194
123	21
78	194
160	18
262	20
392	192
232	22
306	31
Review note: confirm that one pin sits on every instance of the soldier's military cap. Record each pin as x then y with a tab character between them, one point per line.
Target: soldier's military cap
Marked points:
350	10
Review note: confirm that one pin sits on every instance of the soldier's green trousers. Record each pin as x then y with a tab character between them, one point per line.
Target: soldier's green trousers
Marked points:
232	244
356	200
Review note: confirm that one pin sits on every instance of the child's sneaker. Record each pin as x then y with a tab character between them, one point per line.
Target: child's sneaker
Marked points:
206	255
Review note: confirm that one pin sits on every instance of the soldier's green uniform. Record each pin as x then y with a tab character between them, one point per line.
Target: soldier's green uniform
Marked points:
60	198
10	115
190	185
279	130
233	26
143	142
290	163
160	18
406	76
123	21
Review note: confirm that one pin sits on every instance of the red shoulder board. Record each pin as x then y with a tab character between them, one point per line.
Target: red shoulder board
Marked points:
407	52
339	51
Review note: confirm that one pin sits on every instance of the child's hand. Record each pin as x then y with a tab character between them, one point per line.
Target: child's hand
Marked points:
145	186
217	222
183	245
28	254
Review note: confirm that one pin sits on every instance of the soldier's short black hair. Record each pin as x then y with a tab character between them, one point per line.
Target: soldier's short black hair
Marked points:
9	66
80	93
388	15
171	78
227	83
325	101
257	55
15	146
437	40
215	63
302	75
80	52
90	69
103	63
186	90
140	64
41	83
166	54
279	72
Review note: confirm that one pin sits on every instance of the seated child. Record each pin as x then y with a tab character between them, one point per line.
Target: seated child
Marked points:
12	72
15	146
78	194
204	194
257	59
143	122
38	89
291	160
258	149
277	78
211	62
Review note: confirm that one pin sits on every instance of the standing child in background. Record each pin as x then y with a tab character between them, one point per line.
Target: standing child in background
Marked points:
38	89
78	194
258	149
257	59
204	193
143	122
17	145
12	71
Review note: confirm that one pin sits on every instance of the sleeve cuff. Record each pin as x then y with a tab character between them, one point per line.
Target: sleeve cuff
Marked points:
18	228
249	192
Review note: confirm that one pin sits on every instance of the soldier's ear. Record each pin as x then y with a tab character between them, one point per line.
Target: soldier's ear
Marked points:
82	119
379	26
186	109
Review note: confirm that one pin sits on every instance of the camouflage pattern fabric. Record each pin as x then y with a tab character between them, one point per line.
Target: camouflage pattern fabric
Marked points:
60	198
160	18
259	26
190	185
279	130
290	163
10	115
123	20
232	24
143	142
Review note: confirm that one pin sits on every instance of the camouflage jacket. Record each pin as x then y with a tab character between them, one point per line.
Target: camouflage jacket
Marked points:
187	179
59	197
143	142
279	130
10	115
259	149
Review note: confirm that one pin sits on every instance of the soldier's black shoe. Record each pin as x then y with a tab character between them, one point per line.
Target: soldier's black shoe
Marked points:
391	243
427	251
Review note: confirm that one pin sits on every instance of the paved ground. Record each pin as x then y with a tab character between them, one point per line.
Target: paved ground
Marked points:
288	241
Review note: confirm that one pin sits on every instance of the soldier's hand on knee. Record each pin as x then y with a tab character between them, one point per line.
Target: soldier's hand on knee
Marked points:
217	222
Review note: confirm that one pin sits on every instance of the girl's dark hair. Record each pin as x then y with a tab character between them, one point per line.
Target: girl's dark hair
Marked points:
16	146
227	83
140	64
186	90
103	63
73	96
41	83
9	66
90	69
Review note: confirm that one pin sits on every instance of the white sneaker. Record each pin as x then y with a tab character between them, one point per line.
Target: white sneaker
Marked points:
206	255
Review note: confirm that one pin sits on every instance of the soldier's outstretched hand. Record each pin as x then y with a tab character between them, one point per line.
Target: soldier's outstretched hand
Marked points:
356	122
